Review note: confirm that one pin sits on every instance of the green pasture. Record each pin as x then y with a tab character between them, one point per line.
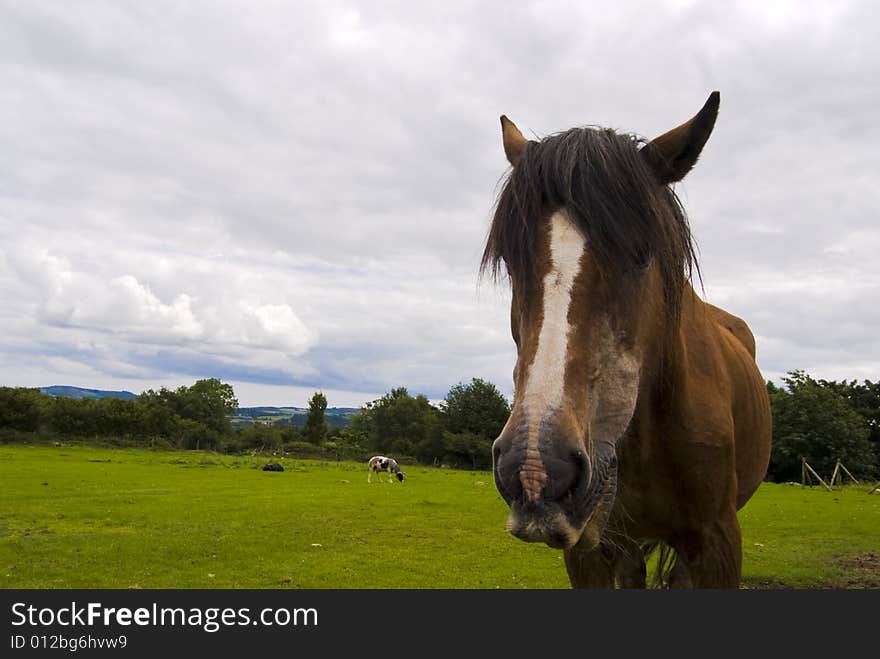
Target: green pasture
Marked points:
79	517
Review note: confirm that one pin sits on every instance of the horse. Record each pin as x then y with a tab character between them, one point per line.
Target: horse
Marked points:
378	464
640	418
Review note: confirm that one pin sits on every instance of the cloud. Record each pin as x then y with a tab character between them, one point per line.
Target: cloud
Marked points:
296	195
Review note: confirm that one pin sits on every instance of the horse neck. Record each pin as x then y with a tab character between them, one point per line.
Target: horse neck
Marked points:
663	372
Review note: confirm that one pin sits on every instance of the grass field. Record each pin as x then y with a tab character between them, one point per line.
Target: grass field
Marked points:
77	517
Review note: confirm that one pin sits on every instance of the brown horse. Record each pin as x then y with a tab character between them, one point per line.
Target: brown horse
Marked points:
640	417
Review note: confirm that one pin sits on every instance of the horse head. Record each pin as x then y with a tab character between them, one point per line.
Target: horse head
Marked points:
597	250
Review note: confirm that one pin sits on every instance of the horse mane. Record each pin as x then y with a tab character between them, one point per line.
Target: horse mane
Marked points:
609	191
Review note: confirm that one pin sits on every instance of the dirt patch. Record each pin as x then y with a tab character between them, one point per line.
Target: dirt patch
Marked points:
862	571
859	571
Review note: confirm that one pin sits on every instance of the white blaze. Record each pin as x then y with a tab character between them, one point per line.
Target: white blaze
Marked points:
545	382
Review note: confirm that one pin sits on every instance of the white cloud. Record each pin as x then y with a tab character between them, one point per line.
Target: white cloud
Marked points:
122	305
296	195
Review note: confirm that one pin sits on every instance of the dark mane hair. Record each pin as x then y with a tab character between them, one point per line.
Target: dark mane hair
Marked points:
608	190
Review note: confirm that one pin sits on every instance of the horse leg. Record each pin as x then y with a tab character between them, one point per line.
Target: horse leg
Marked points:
590	568
712	556
679	576
630	569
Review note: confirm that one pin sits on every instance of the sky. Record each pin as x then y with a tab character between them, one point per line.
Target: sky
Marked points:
293	196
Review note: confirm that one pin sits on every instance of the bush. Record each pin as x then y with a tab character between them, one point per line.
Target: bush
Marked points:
21	409
189	434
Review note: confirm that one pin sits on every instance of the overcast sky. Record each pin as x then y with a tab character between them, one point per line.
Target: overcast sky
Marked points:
293	196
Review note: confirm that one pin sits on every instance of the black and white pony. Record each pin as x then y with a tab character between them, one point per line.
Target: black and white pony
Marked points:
379	464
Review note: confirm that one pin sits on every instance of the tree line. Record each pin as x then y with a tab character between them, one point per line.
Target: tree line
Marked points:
817	420
457	432
187	417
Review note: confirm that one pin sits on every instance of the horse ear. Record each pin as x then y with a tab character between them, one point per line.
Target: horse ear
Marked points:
673	154
514	142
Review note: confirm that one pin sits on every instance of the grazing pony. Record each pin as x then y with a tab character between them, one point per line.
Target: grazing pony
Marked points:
640	418
378	464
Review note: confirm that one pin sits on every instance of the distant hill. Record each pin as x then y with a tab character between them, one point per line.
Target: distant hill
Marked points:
79	392
336	417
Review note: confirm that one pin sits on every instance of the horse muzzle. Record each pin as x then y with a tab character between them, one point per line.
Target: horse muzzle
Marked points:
557	495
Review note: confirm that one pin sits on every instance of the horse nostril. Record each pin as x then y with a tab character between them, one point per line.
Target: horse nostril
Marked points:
584	466
505	465
568	471
582	461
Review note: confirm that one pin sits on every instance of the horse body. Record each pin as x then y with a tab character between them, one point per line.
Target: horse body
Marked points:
693	456
640	415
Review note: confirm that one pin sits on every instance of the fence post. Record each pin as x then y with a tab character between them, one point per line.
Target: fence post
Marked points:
846	471
817	476
835	473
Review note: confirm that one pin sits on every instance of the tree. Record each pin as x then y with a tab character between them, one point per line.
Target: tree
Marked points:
159	409
865	399
814	422
209	402
477	408
473	416
398	423
315	430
